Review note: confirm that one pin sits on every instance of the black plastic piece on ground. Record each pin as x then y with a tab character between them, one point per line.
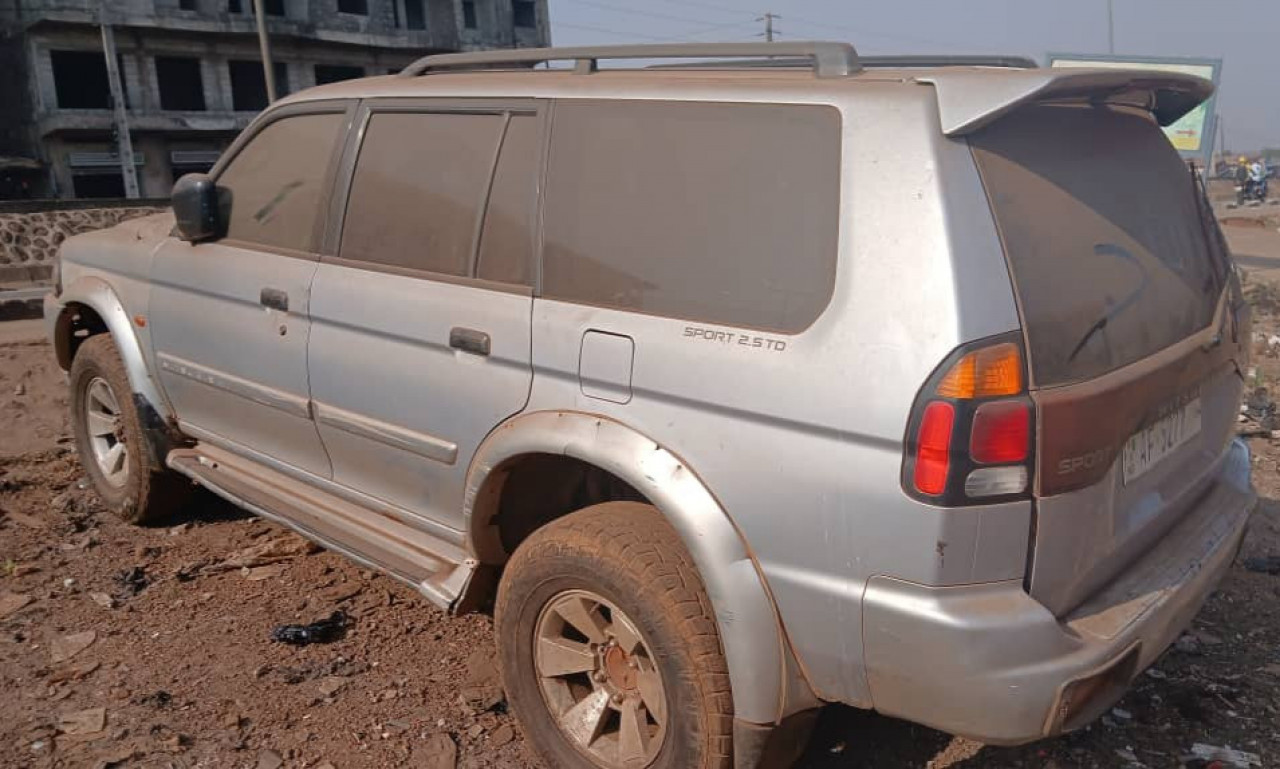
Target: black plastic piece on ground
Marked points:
319	632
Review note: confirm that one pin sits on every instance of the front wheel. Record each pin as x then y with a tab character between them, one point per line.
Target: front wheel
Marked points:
610	651
113	448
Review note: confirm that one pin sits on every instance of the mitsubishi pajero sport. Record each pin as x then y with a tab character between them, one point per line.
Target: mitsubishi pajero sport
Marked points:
766	378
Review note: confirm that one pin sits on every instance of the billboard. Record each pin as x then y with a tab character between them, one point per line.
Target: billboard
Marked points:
1192	135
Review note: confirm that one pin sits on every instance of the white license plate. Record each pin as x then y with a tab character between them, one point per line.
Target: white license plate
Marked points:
1148	446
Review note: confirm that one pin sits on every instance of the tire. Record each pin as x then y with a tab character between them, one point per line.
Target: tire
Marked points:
620	567
135	485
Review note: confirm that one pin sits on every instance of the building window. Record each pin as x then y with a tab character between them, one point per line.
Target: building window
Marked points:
357	7
181	86
271	7
80	79
187	5
249	90
415	16
524	13
104	185
332	73
469	14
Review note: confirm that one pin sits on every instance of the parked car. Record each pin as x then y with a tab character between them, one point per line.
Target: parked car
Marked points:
906	384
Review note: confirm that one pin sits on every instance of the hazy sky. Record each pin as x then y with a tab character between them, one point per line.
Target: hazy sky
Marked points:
1243	33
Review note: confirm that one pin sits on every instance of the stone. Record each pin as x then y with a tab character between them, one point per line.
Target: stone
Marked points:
66	647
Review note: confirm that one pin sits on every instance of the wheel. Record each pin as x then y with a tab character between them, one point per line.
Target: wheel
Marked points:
609	648
115	453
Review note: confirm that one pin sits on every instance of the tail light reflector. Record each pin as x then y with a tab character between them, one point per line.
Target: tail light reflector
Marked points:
933	455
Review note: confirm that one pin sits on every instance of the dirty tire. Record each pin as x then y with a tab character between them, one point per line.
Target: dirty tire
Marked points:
151	492
629	555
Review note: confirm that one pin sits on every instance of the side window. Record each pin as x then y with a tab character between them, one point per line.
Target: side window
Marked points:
418	188
506	245
275	184
724	213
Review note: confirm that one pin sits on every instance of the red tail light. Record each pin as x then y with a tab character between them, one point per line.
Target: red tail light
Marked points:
933	455
971	435
1001	433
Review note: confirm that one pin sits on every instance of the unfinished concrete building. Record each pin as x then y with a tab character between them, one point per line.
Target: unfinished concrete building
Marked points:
192	77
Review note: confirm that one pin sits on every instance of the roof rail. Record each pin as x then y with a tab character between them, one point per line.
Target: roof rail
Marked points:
980	60
867	62
828	59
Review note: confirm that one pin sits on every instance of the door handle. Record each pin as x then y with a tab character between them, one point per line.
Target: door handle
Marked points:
275	299
469	340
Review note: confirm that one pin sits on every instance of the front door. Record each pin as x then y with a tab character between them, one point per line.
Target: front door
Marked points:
420	342
230	317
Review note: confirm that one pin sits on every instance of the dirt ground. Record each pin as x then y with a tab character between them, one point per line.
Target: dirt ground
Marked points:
151	647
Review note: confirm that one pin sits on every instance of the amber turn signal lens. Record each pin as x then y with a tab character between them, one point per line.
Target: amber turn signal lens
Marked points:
986	373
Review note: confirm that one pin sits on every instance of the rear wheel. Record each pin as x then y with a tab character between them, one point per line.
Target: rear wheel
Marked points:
113	447
610	652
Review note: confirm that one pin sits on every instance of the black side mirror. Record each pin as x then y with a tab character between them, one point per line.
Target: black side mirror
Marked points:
195	206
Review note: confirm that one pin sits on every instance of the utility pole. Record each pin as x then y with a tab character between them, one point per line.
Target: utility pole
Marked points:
264	43
768	25
1111	27
124	142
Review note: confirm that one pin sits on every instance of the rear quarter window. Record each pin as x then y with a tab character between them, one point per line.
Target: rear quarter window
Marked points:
1103	232
724	213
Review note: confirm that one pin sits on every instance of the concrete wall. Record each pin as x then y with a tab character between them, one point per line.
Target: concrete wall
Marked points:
29	240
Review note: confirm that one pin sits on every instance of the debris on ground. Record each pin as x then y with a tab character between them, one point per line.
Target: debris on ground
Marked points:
1259	414
1264	565
437	751
1231	757
90	721
73	672
11	603
64	648
285	547
130	582
322	631
269	759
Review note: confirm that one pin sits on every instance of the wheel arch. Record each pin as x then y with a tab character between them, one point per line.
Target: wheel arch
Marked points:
764	675
94	295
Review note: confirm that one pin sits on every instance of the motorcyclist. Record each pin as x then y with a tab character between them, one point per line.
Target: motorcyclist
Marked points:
1257	186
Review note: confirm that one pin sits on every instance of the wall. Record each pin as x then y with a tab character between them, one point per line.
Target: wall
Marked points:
29	238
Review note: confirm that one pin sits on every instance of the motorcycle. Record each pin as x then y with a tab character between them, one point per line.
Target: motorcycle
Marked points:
1251	191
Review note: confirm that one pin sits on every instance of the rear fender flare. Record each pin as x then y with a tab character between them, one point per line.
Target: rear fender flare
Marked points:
761	668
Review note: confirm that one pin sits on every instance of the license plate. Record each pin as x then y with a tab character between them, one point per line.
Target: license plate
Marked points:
1148	446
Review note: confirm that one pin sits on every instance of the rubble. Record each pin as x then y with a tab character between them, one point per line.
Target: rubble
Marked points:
66	647
1234	758
90	721
12	603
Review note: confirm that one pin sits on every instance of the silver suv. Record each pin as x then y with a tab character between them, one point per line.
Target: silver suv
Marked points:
740	384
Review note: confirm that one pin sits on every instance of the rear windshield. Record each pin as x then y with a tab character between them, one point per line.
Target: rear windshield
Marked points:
1103	230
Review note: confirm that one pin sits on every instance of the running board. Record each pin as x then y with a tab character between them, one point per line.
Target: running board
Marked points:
437	569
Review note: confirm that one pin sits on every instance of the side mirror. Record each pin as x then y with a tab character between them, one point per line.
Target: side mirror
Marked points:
195	206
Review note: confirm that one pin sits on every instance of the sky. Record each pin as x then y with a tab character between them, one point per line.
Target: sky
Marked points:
1243	33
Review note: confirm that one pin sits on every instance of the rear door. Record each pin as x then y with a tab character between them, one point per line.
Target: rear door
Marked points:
421	335
1126	297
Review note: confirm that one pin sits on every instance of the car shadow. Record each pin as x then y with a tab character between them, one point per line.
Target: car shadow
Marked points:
206	507
850	738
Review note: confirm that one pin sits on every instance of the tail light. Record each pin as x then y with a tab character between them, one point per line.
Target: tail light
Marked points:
971	436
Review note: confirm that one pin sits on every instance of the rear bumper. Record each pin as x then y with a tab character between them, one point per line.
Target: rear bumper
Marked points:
990	663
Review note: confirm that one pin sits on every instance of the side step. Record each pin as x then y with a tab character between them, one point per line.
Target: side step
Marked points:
438	569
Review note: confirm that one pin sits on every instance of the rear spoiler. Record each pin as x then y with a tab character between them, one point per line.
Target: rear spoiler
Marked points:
969	99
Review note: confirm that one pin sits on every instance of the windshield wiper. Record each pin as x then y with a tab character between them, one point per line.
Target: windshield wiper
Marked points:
1110	249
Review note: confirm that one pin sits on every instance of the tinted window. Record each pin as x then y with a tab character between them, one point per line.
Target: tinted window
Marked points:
726	213
276	182
1102	228
418	187
506	240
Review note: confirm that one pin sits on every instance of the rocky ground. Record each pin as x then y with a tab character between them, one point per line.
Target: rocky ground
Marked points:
152	647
